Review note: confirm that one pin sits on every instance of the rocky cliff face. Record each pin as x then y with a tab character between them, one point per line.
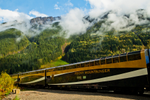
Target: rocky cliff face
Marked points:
44	20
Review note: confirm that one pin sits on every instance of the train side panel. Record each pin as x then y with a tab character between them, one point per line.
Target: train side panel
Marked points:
32	78
126	71
131	73
15	77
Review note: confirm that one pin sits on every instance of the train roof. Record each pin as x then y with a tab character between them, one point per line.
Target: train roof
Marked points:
108	57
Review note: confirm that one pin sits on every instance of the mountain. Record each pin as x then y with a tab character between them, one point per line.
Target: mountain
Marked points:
44	20
12	42
103	39
47	47
44	48
93	46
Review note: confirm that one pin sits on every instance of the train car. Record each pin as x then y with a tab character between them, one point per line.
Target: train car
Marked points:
33	78
128	72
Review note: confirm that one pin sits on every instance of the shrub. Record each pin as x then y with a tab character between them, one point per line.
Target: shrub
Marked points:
6	84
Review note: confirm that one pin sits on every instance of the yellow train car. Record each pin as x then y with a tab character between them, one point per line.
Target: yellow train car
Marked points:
128	71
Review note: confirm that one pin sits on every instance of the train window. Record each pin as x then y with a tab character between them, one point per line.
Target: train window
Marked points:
102	61
123	58
108	61
78	66
64	68
91	63
49	70
134	56
68	67
73	66
97	62
115	60
57	69
84	77
79	77
34	72
82	65
37	72
86	64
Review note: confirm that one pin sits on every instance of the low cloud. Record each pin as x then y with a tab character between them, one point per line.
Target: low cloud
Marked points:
18	20
8	15
14	19
121	6
73	22
117	11
37	14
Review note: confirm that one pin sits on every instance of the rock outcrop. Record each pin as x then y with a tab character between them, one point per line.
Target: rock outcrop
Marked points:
44	20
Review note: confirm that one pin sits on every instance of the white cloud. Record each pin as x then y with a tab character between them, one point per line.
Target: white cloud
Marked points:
121	6
18	20
37	14
69	3
73	22
116	19
56	6
8	15
148	9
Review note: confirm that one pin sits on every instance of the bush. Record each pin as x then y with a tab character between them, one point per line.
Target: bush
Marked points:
6	84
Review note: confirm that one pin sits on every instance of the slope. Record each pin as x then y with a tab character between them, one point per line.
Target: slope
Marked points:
93	44
11	42
43	49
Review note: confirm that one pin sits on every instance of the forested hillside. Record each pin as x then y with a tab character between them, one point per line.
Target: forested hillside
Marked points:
49	47
41	50
91	45
11	42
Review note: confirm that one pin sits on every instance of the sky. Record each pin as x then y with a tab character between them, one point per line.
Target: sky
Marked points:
35	8
11	9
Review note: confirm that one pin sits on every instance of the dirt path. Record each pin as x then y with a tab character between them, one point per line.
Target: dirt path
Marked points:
64	46
45	94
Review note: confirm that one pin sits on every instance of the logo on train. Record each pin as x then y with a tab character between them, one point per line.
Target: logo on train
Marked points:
93	71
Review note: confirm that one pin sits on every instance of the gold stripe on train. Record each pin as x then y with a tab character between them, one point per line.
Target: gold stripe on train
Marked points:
141	63
30	74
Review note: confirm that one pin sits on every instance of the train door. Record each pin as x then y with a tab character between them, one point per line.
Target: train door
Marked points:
49	75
